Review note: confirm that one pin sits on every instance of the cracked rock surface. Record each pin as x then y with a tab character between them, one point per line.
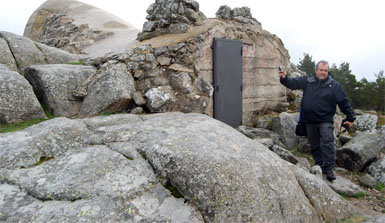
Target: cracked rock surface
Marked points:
122	168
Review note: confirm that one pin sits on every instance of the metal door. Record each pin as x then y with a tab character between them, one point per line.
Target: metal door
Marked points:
227	63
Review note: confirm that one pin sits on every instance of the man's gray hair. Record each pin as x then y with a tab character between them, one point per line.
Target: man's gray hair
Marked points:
323	62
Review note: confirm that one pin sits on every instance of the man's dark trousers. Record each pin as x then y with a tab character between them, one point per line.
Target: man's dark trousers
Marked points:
321	140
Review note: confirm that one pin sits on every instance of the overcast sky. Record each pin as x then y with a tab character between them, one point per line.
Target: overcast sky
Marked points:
334	30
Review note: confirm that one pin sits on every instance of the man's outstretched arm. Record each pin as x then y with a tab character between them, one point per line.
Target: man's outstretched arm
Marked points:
292	83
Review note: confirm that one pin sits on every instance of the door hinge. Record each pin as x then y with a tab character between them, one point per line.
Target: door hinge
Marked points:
217	88
241	51
241	87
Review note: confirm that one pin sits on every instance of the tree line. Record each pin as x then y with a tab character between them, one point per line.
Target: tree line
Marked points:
363	94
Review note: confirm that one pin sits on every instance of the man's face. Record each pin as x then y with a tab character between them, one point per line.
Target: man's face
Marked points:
322	71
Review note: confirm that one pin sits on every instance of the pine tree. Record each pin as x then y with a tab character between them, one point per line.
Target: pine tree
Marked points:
307	64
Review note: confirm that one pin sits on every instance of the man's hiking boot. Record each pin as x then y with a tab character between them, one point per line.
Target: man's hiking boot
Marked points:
330	175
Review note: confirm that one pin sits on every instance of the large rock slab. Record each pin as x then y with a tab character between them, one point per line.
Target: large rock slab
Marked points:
79	28
54	85
93	183
111	92
377	170
6	56
194	152
122	163
345	187
321	195
362	150
43	141
284	125
17	100
24	50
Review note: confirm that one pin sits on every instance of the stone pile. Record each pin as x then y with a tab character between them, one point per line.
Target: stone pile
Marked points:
171	17
242	15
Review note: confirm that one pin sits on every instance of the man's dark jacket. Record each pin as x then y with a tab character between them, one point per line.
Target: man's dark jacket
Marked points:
320	98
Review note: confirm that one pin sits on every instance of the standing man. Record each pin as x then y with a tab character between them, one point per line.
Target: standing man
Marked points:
321	94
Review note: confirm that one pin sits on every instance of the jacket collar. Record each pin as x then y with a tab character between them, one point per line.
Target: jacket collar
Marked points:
315	79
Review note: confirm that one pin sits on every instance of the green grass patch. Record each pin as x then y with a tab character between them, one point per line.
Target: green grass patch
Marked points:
76	63
359	195
343	196
353	219
13	127
105	114
379	186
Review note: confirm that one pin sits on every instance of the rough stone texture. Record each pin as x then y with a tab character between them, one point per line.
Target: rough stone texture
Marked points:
284	154
120	163
24	50
6	56
345	186
284	125
345	137
54	86
362	150
171	17
378	219
79	28
365	122
111	92
242	15
377	170
317	170
158	97
281	107
17	99
153	66
92	183
265	122
320	195
368	181
258	133
45	140
54	55
304	164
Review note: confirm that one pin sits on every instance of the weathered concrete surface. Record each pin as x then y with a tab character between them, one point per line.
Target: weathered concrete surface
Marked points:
79	28
17	99
263	52
87	168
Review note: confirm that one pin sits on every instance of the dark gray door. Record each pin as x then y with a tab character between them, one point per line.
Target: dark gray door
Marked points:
228	81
